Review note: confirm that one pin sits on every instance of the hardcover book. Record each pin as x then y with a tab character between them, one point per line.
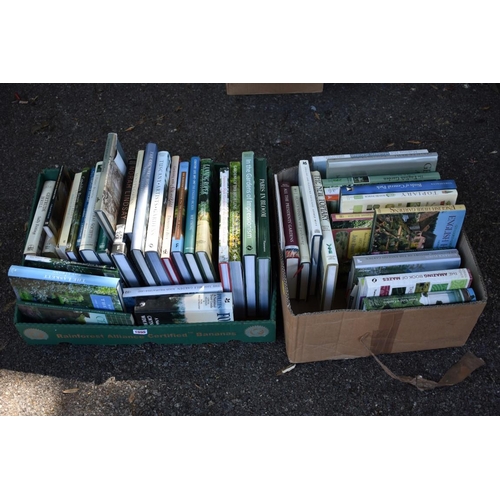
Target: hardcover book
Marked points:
90	229
154	246
419	299
57	264
370	202
235	258
291	244
223	261
114	169
138	238
48	313
417	228
57	204
249	230
179	229
305	257
62	240
356	180
398	187
263	221
320	163
78	215
49	247
31	284
192	219
329	263
103	248
187	308
168	225
314	230
36	235
382	165
134	190
204	236
399	284
120	246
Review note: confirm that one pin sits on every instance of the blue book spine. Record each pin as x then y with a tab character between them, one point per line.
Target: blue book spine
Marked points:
84	212
398	187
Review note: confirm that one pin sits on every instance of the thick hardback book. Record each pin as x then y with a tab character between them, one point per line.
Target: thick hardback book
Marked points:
223	261
120	246
204	224
57	205
192	218
103	248
320	163
235	258
352	236
109	191
90	232
402	262
420	282
291	244
78	215
380	165
313	223
134	190
62	240
36	235
419	299
356	180
417	228
179	229
263	221
249	230
305	257
355	203
67	265
31	284
168	225
153	248
133	295
58	314
188	308
138	238
329	263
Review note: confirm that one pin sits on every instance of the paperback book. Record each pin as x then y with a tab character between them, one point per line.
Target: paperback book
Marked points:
62	240
417	228
223	259
187	308
65	288
134	190
356	180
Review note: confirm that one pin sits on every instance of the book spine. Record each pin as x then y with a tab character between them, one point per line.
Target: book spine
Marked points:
68	217
55	210
74	231
49	247
34	242
180	208
419	299
358	180
138	239
137	169
399	187
305	259
224	228
168	227
103	247
85	214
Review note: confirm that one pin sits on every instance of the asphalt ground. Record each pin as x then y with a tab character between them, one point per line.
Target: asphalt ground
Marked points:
47	124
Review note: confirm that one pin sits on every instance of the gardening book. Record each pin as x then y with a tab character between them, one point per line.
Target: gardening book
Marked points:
114	169
66	288
417	228
223	260
187	308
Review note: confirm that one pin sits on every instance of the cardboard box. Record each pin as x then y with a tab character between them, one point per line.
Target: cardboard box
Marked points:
193	333
344	333
272	88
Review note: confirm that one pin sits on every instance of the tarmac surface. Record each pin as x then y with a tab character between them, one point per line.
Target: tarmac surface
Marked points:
46	124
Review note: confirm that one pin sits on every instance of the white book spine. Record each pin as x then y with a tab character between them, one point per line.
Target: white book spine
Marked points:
129	224
35	241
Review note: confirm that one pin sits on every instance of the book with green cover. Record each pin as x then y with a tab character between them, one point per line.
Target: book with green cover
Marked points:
234	241
204	223
55	314
65	288
263	221
249	230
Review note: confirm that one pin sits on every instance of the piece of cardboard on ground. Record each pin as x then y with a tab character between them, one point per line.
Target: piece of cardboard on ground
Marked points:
272	88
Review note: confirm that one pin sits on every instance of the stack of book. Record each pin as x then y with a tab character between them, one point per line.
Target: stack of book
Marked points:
128	238
396	225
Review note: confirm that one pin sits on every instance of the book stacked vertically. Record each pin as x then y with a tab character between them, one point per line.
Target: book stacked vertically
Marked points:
149	240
